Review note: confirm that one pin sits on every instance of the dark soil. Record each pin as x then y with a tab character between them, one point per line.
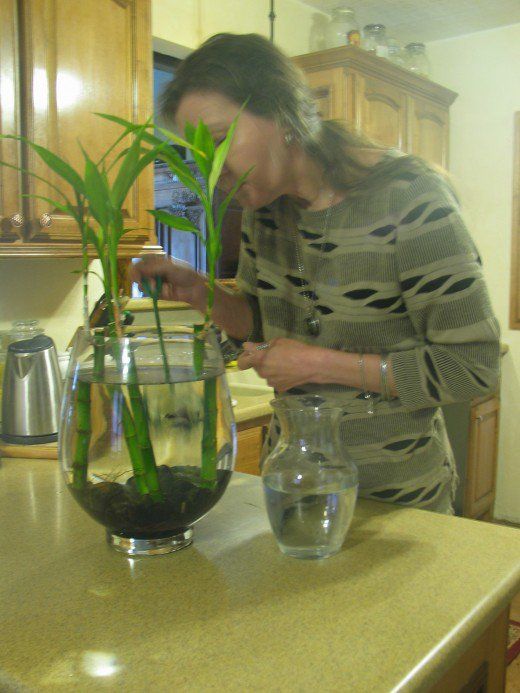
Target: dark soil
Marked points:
123	511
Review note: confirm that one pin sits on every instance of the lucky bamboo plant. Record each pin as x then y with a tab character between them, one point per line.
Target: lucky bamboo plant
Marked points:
96	206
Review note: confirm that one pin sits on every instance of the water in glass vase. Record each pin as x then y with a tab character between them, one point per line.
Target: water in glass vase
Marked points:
308	522
109	488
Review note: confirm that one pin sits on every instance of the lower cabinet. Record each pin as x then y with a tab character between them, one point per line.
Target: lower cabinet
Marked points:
250	439
473	433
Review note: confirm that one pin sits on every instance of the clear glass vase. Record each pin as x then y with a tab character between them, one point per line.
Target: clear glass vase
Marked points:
310	483
147	438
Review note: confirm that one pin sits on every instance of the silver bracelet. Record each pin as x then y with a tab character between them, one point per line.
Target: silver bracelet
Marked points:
383	370
366	393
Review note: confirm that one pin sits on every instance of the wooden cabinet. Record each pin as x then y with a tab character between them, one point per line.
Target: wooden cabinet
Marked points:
380	110
59	65
389	104
480	482
429	130
250	439
473	433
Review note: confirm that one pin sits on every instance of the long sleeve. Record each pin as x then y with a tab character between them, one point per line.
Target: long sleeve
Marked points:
447	301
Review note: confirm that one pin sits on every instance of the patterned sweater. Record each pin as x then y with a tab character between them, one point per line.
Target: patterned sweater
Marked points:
397	274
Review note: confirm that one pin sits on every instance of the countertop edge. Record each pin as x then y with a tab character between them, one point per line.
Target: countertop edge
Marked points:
439	661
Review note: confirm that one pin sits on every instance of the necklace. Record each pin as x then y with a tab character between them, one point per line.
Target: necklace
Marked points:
312	320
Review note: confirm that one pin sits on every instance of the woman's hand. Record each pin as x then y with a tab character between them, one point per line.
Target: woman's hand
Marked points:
180	282
285	363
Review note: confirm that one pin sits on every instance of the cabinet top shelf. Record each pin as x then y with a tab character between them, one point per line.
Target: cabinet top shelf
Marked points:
369	64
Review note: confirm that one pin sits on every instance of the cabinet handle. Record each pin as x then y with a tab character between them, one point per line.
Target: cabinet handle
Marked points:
45	220
480	418
17	220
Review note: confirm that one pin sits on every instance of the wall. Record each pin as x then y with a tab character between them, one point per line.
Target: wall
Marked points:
47	289
189	22
484	69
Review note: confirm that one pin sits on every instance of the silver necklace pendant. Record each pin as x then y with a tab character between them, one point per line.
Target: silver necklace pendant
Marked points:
313	325
312	321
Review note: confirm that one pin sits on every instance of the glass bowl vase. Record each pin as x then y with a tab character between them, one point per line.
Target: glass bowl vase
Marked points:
147	439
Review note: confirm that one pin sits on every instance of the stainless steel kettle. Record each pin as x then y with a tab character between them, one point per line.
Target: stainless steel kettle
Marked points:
31	396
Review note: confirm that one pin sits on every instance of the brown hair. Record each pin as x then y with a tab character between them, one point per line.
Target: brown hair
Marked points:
248	67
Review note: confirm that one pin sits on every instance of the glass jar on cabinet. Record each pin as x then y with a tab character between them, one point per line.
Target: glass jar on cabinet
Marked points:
343	29
417	60
396	54
318	33
374	39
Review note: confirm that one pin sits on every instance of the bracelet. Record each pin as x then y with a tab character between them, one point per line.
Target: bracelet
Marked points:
366	393
383	370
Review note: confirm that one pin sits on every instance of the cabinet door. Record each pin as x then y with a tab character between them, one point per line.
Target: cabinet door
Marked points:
482	459
11	208
429	131
96	58
329	90
249	447
380	111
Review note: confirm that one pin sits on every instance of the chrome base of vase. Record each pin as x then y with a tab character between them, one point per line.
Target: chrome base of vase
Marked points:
150	547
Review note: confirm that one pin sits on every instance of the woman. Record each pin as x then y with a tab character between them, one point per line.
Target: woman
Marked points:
357	278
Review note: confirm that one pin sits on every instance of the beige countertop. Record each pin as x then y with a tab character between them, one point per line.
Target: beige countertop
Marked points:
406	595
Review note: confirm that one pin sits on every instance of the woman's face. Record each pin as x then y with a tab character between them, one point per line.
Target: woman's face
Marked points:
258	142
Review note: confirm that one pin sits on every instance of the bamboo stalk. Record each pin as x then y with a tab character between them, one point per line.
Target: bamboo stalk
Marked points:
144	443
135	423
134	451
83	427
208	471
155	297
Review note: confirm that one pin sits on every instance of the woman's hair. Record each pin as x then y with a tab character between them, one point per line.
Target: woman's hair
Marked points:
248	67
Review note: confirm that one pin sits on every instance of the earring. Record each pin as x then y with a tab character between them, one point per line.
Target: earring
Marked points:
288	138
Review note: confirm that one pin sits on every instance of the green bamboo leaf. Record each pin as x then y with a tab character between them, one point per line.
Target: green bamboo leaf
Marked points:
220	156
54	162
127	130
189	132
34	175
178	140
146	159
225	204
203	140
59	166
125	151
97	192
130	127
182	171
128	170
179	223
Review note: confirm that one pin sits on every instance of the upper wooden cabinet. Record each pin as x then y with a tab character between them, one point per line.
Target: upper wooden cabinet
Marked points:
60	62
389	104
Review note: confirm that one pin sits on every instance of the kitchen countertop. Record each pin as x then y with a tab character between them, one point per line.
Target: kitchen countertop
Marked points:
393	610
251	394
